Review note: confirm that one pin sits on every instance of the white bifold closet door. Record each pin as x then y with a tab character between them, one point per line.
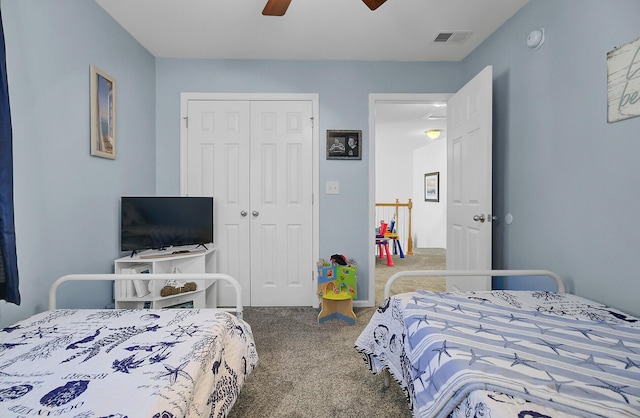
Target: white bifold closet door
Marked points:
255	159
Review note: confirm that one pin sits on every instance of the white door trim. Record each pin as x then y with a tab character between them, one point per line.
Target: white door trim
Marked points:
314	98
375	98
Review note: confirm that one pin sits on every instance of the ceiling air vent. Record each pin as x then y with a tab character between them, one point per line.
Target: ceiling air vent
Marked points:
456	37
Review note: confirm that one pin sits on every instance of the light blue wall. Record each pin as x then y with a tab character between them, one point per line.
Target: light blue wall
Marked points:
66	201
343	89
569	178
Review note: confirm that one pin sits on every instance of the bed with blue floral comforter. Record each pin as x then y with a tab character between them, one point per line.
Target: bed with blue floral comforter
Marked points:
124	363
506	353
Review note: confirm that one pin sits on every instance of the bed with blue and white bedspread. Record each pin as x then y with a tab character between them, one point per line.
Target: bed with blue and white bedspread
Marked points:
124	363
506	353
143	363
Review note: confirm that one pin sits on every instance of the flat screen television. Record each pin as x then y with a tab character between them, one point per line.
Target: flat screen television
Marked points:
158	222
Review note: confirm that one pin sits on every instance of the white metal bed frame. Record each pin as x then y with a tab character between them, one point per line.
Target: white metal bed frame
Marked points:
463	273
466	273
213	277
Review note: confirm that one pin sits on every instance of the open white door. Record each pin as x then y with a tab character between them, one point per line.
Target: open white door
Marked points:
469	182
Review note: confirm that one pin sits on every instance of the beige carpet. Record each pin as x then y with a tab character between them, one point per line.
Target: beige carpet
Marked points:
309	370
423	259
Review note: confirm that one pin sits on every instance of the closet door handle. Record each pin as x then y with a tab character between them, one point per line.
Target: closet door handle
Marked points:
255	213
243	213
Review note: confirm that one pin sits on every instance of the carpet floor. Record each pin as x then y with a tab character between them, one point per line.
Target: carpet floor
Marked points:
310	370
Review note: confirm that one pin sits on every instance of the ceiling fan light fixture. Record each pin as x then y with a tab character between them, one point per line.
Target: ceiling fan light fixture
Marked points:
279	7
373	4
276	7
433	133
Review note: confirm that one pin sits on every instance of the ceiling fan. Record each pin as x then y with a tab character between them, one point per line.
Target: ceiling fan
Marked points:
279	7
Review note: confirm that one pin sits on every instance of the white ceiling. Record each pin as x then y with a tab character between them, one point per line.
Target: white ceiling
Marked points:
399	30
406	122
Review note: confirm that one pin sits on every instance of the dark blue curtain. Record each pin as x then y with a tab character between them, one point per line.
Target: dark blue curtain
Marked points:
9	261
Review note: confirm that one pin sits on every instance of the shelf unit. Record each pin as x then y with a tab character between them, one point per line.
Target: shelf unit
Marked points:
197	260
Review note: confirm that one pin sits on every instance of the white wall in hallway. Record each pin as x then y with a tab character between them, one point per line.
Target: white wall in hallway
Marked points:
430	218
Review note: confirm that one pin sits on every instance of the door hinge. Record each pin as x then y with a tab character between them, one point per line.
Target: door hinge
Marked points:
186	122
312	122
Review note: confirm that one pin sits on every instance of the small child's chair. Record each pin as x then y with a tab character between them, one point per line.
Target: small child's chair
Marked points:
383	243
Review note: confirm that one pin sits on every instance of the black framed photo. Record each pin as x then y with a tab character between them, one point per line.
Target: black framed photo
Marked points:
344	145
432	187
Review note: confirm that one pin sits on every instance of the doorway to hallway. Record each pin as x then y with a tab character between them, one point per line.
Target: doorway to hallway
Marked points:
403	154
469	178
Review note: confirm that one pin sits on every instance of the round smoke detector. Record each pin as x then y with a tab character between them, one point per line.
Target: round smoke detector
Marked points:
535	38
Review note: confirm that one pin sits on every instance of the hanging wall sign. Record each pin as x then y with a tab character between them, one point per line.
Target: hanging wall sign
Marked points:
623	82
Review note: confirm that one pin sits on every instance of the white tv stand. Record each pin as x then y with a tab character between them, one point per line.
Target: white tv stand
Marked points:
196	260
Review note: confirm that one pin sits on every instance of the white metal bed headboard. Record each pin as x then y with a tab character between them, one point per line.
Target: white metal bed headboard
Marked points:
153	276
463	273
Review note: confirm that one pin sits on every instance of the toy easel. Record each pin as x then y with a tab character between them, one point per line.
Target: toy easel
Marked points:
336	288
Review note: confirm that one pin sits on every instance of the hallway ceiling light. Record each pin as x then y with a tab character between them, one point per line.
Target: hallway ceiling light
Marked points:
433	133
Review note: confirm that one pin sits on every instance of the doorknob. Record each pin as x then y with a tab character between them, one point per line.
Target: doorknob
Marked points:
479	218
255	213
243	213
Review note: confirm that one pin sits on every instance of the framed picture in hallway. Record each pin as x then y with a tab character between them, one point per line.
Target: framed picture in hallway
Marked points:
432	187
103	114
344	145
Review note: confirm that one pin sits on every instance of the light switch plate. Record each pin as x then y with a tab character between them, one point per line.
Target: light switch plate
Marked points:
333	187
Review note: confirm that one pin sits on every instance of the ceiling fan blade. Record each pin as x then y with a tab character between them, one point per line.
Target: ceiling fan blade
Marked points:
276	7
374	4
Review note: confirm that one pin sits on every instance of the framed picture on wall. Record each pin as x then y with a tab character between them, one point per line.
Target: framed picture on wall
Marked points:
623	83
103	114
432	187
344	145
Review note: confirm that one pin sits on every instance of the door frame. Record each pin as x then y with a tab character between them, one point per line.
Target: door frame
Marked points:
314	99
390	98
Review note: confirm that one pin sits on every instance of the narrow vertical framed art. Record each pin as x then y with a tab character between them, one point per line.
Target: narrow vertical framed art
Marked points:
103	114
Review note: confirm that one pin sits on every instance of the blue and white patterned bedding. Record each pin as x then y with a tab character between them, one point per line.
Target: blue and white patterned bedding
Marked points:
541	353
124	363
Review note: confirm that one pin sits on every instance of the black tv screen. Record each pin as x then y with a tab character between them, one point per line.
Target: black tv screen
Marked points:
155	222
